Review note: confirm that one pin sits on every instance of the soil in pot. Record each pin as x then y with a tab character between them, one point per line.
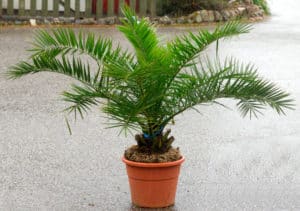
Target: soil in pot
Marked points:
144	155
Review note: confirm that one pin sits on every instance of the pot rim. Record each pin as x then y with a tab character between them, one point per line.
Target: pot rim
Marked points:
153	165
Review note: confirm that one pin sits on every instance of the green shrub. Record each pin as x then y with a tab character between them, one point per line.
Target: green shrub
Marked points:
182	7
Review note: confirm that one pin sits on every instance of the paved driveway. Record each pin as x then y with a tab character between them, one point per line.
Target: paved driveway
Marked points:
231	163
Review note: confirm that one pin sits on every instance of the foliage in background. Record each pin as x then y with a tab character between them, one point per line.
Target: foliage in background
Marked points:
263	4
183	7
146	89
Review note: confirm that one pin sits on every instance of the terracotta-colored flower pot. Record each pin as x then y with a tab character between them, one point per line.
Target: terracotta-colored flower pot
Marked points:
153	185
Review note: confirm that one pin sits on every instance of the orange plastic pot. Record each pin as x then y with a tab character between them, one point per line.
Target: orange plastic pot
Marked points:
153	185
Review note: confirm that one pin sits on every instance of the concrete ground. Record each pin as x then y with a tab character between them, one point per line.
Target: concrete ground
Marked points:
231	163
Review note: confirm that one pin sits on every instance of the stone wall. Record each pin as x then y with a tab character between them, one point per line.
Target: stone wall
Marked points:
245	10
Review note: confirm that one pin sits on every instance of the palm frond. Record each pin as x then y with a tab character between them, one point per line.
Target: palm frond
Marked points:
63	41
231	80
73	67
82	98
141	34
184	49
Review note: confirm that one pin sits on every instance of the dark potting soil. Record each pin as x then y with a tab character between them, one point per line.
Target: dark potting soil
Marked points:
136	154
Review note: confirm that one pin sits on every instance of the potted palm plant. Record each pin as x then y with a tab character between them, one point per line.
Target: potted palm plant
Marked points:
145	89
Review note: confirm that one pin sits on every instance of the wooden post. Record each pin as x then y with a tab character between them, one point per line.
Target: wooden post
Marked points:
45	7
32	7
67	8
153	7
21	8
55	8
110	8
143	7
99	9
10	7
0	7
132	4
77	9
121	4
88	8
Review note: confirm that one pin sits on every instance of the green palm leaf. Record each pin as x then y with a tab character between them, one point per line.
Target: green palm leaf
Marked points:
184	49
73	67
232	80
63	41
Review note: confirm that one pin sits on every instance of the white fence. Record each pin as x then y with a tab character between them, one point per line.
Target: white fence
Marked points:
39	4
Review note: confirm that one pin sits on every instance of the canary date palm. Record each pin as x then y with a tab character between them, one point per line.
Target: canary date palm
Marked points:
145	88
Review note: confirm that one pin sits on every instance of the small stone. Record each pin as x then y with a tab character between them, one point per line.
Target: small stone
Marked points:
69	20
231	1
155	22
32	22
101	21
110	20
233	14
77	21
50	19
147	19
23	18
165	20
207	15
204	15
88	21
190	20
252	9
62	19
181	20
155	19
197	17
211	16
18	22
241	10
226	15
218	16
46	21
56	21
259	13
